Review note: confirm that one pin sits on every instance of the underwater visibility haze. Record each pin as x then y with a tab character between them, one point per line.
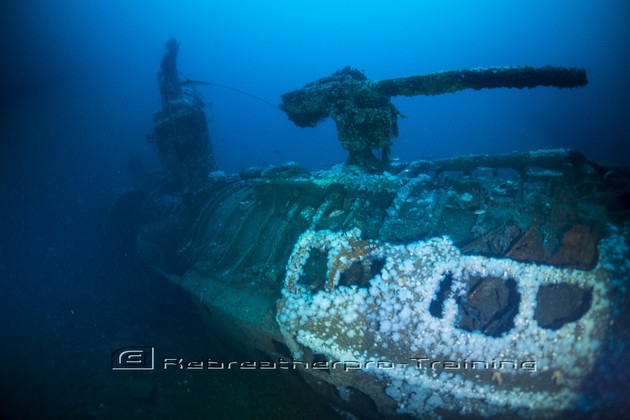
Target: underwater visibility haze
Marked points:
314	181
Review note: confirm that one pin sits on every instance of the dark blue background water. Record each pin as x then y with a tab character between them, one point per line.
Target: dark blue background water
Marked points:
78	88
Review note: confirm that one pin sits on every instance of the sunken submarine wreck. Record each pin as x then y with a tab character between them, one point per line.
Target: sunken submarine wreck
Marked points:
487	285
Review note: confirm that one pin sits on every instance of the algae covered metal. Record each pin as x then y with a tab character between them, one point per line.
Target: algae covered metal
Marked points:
478	285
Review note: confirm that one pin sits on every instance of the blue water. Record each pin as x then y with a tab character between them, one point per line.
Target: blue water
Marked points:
78	87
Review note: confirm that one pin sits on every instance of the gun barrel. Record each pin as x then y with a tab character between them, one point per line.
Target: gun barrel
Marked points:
518	77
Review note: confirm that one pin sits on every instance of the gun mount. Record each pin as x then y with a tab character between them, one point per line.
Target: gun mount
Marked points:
367	120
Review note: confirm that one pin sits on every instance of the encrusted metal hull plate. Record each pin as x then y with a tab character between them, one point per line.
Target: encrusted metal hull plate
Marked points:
484	285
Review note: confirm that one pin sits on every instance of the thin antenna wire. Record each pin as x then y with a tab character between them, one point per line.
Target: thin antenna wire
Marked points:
198	82
245	93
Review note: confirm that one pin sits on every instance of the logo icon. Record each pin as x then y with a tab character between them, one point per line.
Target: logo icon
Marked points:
133	358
